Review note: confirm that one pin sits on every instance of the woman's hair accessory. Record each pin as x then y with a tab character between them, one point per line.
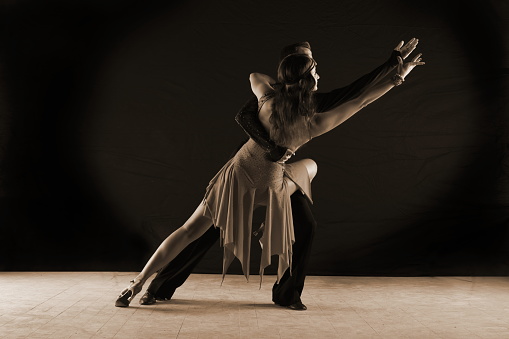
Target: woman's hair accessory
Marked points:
303	75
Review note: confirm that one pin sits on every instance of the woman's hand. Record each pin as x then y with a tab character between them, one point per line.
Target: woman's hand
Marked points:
405	68
407	49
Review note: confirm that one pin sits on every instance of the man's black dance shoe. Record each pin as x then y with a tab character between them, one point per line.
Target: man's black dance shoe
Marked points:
298	306
148	299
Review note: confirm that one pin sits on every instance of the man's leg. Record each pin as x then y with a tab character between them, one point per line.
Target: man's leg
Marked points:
290	287
175	273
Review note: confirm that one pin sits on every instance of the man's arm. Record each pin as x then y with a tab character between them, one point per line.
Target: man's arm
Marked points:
330	100
247	118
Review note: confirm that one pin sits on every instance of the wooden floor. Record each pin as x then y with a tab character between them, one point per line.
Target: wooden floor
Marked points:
80	305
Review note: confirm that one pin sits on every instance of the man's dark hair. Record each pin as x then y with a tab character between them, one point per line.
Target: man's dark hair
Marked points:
291	49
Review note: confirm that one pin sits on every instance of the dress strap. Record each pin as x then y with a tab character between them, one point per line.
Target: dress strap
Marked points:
264	98
309	131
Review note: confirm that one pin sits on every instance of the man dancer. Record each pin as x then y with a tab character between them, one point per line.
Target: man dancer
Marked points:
288	292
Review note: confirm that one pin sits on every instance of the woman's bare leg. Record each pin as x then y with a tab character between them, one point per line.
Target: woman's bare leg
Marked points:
192	229
311	168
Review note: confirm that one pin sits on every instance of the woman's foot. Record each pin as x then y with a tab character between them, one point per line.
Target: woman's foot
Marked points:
127	295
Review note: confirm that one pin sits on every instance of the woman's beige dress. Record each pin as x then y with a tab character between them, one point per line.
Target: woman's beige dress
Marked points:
246	181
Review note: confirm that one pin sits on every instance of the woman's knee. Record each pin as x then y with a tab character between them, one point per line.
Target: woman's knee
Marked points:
312	167
196	228
197	224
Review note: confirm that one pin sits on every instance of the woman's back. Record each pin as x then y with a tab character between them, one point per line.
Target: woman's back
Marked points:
298	132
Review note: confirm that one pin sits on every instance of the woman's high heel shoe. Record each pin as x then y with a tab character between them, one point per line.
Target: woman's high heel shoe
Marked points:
127	295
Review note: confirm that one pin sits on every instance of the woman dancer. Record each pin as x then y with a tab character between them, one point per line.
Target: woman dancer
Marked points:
249	179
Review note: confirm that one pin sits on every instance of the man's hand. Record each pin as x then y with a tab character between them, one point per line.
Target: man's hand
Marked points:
278	154
288	154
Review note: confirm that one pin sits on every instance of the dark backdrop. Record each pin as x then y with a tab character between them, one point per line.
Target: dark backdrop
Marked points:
115	115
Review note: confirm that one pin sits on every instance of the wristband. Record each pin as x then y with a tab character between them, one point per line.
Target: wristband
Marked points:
397	79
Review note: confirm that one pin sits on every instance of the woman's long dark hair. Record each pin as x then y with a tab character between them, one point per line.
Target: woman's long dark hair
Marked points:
293	99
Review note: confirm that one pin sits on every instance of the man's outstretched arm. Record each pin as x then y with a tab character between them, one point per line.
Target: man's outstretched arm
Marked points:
327	101
330	100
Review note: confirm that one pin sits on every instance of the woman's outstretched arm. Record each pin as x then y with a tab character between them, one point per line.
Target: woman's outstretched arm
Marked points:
328	101
247	117
324	122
